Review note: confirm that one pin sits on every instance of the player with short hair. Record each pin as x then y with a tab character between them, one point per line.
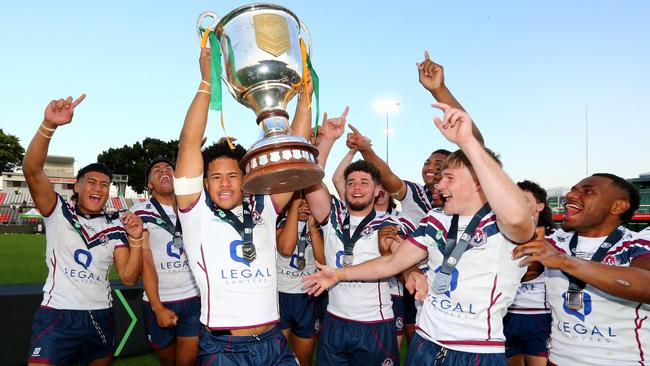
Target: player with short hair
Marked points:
171	305
82	242
230	242
359	326
472	277
597	275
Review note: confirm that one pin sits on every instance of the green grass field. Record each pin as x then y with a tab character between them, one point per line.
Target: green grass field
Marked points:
23	262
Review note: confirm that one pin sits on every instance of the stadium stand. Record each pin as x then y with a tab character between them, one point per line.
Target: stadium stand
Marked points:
3	195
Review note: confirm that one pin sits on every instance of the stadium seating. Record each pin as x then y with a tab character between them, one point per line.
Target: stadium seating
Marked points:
3	195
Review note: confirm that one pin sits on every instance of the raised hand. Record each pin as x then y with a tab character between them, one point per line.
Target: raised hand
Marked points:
456	124
60	112
333	128
205	63
432	75
132	225
357	141
166	318
320	281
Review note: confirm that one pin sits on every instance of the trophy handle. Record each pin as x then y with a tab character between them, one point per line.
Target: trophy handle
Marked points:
304	28
199	23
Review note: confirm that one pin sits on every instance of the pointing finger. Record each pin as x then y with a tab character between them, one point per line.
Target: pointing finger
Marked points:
442	106
345	112
79	100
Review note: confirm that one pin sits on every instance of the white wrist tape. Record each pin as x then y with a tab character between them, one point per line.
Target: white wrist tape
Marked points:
185	185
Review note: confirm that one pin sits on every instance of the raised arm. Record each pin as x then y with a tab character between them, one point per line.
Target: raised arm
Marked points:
190	161
301	126
318	196
506	199
317	243
57	113
391	182
432	78
338	178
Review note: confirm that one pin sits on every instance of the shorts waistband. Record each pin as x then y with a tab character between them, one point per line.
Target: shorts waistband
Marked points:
225	336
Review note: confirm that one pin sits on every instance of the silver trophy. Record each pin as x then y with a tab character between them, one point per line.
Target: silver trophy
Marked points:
263	68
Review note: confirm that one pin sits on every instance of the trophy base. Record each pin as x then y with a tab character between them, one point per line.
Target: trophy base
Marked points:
280	167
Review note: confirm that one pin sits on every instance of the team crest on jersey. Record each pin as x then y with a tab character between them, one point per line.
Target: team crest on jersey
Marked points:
478	239
257	218
611	260
387	362
103	238
367	231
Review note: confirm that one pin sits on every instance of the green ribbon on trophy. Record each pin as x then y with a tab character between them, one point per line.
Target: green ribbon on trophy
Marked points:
314	79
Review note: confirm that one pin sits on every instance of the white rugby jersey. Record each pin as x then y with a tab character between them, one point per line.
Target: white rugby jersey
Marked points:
416	203
234	292
608	330
175	280
289	275
361	301
468	317
78	269
531	297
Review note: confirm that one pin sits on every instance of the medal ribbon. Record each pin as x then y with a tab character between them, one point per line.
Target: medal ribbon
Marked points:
175	230
455	248
613	238
349	242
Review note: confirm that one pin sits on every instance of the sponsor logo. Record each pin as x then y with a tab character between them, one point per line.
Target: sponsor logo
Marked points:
247	276
174	252
387	362
83	258
37	351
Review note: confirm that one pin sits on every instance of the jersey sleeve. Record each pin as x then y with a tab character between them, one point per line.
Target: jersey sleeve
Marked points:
430	232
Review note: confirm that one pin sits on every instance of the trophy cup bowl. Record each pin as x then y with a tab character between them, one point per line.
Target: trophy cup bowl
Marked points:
263	70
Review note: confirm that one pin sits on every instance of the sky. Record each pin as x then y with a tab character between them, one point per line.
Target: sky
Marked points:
530	73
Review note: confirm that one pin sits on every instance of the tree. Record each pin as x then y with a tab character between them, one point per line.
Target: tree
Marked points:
11	153
134	160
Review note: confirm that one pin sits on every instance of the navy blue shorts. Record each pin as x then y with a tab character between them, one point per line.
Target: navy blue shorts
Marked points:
527	334
423	352
410	312
398	310
299	312
345	342
268	348
58	335
188	324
